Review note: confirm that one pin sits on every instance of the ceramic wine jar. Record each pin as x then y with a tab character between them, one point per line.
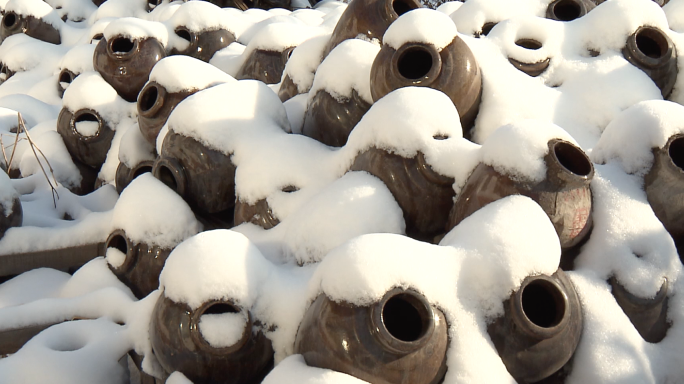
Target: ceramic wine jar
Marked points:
664	185
66	76
330	120
648	315
369	18
92	149
203	177
125	174
652	51
531	69
142	265
564	194
425	196
452	70
179	345
126	63
13	23
399	339
155	105
264	65
568	10
540	328
203	44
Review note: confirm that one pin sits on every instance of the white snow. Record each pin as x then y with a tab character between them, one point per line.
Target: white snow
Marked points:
136	29
421	26
304	62
90	91
177	73
222	330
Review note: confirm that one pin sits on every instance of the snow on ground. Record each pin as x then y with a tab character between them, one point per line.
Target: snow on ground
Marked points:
340	233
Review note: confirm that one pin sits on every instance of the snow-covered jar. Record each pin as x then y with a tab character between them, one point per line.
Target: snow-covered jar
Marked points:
34	18
647	314
136	156
555	173
568	10
422	49
399	339
127	52
540	329
651	50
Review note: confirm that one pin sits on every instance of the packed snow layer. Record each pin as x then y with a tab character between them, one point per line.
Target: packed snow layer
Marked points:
341	234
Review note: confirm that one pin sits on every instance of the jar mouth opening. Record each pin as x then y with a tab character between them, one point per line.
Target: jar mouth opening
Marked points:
186	35
219	307
10	21
170	172
151	99
403	320
119	241
87	116
121	47
417	63
402	6
676	152
572	158
541	306
651	42
530	44
567	10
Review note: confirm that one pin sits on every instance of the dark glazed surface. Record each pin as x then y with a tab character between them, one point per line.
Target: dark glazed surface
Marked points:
155	105
369	18
125	175
89	150
203	177
259	214
425	197
179	346
399	340
453	70
203	44
65	76
568	10
532	69
330	121
540	328
649	316
652	51
14	219
288	89
88	179
564	194
664	185
13	23
142	266
266	66
126	64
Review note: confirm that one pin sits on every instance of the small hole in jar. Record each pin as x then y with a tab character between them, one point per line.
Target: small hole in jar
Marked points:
676	152
9	20
183	34
402	6
543	304
122	45
651	43
148	98
567	10
414	63
572	158
528	44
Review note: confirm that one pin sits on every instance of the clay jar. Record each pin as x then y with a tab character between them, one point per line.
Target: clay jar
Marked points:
203	44
452	70
126	63
540	328
203	177
89	150
124	174
14	219
664	185
652	51
142	266
568	10
564	194
263	65
369	18
531	69
425	197
649	316
331	121
155	105
178	344
64	79
13	23
399	339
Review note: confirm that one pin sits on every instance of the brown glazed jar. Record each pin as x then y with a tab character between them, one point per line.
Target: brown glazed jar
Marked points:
89	150
203	177
13	23
331	121
531	69
155	105
652	51
540	328
649	316
564	194
259	213
266	66
400	339
142	266
124	174
568	10
425	196
664	185
203	44
66	76
126	63
452	70
178	345
369	18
